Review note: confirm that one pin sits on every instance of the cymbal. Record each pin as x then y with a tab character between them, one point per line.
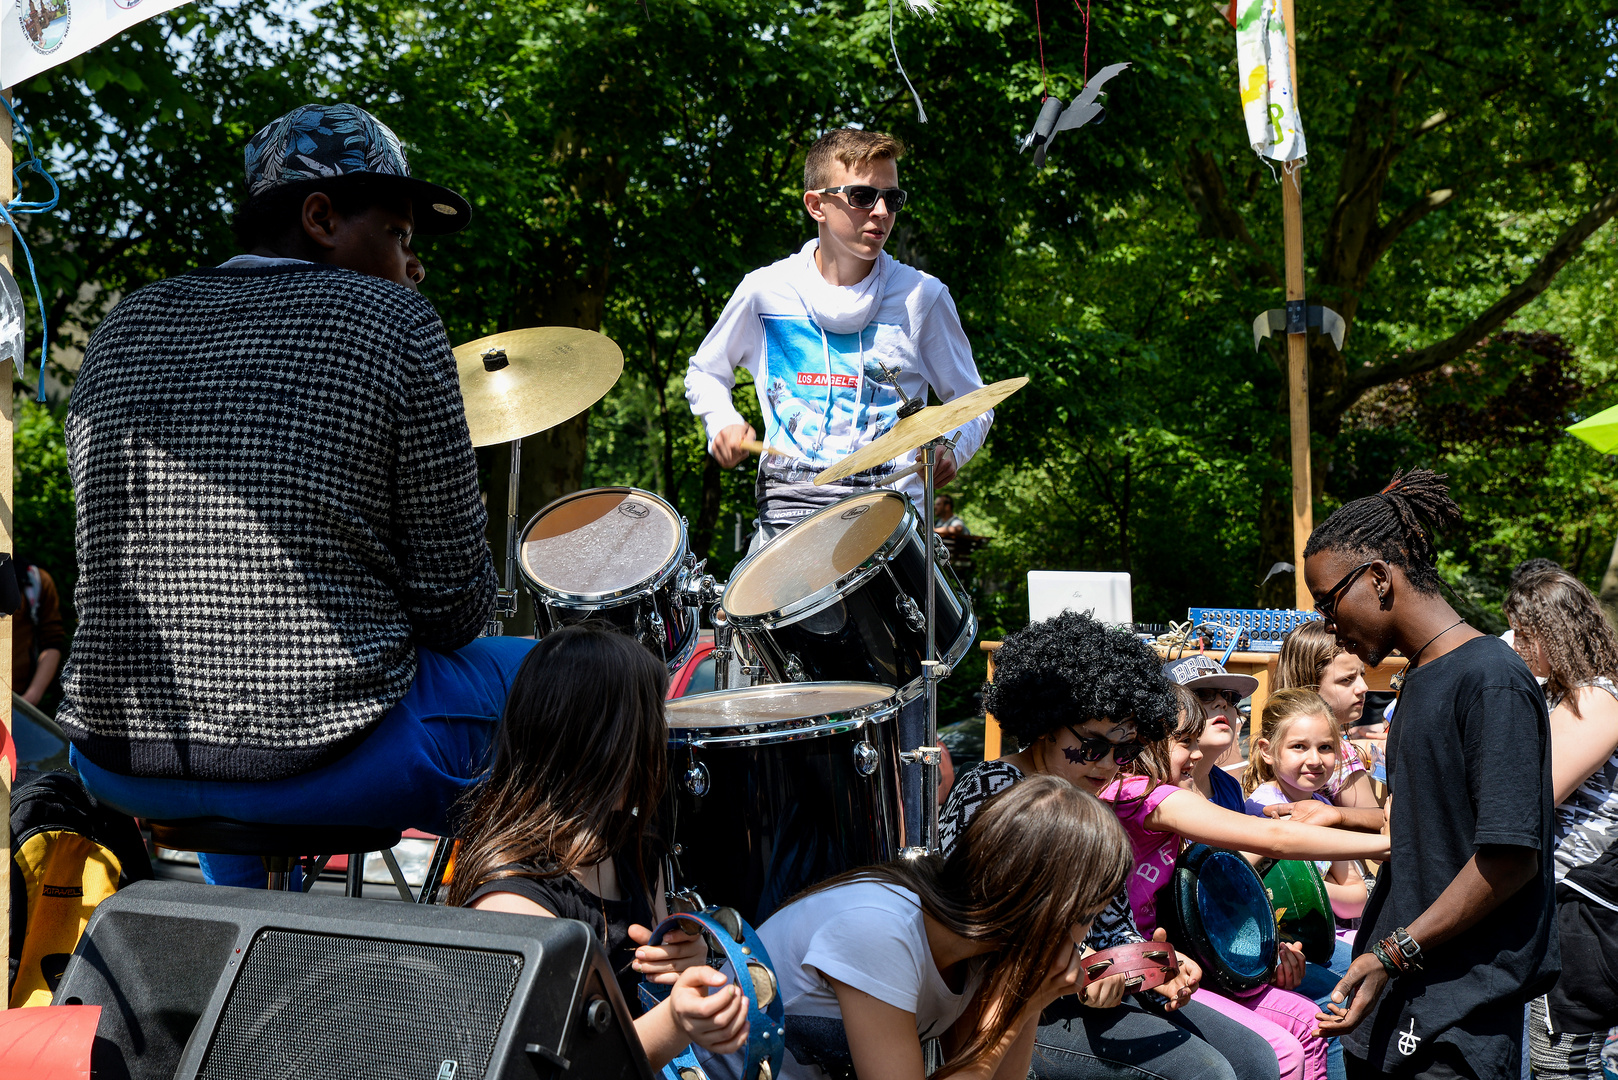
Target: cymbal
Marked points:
920	428
550	374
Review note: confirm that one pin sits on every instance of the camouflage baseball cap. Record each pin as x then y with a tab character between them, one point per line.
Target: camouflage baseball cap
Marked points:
315	142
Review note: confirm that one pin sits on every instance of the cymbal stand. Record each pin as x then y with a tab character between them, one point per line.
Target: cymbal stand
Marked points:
505	598
929	755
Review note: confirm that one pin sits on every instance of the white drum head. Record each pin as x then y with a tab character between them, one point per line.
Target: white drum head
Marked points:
600	542
777	702
814	553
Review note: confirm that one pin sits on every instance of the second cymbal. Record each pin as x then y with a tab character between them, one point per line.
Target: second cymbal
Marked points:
533	379
921	428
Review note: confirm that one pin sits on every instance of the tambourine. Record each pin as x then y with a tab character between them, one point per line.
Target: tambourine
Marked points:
1215	909
1302	908
1145	965
727	933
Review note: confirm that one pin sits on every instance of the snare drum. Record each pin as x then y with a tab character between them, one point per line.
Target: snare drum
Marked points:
775	788
615	555
841	596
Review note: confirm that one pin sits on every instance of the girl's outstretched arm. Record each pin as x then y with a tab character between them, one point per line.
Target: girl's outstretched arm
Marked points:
1202	822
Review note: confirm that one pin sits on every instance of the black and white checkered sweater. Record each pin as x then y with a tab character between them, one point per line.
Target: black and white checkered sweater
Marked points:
277	502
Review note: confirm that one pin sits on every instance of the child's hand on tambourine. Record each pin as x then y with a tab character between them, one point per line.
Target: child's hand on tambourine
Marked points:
1105	993
1178	990
715	1020
663	963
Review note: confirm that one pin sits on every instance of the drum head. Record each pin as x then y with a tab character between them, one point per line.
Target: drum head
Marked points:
814	553
601	542
775	703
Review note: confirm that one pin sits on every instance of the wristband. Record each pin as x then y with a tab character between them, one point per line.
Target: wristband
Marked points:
1407	948
1387	964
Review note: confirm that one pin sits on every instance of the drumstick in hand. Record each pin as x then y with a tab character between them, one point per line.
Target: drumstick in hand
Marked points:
753	446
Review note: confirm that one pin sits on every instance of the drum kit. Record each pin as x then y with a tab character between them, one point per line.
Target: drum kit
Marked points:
790	769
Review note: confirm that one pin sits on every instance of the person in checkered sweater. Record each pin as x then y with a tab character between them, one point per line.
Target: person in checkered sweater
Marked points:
283	569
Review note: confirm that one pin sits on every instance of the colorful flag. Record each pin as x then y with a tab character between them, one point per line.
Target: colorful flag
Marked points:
1268	104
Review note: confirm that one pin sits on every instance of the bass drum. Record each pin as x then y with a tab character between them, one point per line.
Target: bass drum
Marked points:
842	596
615	555
775	788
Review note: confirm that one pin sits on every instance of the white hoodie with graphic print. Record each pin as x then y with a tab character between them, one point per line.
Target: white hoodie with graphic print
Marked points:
816	353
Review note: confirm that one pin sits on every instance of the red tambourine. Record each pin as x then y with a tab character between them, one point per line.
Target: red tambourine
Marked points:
1145	965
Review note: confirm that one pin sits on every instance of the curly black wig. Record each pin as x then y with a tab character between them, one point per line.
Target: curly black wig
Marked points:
1070	669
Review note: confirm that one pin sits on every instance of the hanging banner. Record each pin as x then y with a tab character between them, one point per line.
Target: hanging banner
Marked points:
36	35
1268	103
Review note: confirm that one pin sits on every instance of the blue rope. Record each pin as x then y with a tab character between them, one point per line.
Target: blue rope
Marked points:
19	206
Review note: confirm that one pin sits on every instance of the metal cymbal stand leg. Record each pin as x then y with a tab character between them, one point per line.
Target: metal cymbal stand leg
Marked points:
928	755
505	603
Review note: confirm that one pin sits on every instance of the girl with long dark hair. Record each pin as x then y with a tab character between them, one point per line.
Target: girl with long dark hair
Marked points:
967	948
562	827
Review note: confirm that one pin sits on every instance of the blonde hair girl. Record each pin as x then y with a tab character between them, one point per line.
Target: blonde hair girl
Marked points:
1293	757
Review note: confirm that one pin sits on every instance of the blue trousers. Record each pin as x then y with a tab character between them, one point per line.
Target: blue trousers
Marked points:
407	773
1318	983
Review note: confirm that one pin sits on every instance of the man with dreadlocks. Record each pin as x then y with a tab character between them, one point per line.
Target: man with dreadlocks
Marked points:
1459	933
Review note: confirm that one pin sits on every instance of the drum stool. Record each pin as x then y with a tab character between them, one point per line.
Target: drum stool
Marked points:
271	843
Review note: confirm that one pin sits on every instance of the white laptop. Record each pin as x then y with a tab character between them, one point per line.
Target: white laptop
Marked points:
1107	593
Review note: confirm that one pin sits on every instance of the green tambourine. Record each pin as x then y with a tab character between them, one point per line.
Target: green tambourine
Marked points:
1302	909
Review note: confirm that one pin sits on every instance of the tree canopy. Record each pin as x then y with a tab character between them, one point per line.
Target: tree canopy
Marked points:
630	160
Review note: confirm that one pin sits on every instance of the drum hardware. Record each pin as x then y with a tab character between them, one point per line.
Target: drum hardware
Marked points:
922	755
866	758
722	648
697	780
924	429
912	614
795	670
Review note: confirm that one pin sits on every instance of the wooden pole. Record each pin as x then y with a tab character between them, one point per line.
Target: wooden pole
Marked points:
6	544
1303	513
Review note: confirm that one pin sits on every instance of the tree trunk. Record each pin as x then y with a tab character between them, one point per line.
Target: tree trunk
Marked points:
1609	588
703	529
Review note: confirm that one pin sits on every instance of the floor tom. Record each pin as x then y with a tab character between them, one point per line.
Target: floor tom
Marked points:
775	788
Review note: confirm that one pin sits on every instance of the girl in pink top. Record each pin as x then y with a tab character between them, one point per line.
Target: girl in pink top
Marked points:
1159	814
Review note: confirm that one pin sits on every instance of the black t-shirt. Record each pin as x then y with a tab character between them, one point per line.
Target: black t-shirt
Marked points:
566	898
1469	764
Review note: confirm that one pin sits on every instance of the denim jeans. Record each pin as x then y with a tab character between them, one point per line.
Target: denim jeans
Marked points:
1135	1042
407	773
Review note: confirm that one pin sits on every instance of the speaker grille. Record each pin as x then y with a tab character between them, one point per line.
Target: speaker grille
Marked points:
320	1005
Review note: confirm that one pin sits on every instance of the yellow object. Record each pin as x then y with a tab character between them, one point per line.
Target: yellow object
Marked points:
1255	84
66	874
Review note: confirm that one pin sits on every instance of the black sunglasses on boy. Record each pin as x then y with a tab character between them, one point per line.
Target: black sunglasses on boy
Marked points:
864	196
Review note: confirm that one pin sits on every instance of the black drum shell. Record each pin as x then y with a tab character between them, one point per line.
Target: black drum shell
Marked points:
863	634
781	817
633	616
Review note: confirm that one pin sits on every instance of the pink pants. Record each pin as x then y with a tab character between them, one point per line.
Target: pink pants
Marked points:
1287	1022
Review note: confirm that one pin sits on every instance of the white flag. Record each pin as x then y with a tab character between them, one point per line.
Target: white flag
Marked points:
1268	103
36	35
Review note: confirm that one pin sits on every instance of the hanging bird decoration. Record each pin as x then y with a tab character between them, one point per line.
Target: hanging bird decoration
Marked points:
1053	118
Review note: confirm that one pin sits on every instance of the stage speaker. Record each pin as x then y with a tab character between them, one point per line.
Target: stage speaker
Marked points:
197	982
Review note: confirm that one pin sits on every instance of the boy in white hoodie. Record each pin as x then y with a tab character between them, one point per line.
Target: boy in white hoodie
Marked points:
818	328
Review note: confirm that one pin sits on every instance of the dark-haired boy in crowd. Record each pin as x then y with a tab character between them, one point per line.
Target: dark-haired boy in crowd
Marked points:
831	335
1459	933
283	570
